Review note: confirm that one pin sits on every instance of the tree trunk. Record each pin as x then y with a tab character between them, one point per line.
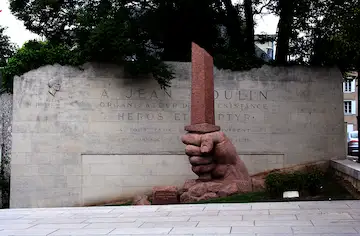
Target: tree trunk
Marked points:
249	33
234	26
286	8
358	108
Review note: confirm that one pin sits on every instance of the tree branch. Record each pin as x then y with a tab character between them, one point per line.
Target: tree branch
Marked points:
258	12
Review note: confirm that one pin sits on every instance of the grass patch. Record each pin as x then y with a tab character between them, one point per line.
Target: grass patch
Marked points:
128	203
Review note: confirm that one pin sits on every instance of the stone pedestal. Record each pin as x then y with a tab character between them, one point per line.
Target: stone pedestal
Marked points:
163	195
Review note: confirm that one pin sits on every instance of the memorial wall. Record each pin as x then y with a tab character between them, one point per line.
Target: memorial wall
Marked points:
82	136
6	102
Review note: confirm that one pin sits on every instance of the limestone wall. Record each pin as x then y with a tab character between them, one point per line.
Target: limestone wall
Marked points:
105	135
6	101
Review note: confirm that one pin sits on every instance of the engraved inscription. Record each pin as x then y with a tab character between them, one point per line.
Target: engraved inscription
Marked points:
241	95
147	94
159	107
165	195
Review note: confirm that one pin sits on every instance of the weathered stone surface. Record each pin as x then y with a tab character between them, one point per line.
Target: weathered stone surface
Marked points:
228	190
187	198
141	200
198	190
206	190
258	184
123	133
165	195
188	184
6	110
207	196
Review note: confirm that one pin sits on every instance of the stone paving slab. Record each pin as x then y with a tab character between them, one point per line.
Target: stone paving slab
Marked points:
330	218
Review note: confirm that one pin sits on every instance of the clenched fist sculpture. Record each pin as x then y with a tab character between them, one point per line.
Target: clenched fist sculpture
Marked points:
214	159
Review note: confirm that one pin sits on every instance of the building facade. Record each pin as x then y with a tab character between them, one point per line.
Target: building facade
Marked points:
265	49
350	89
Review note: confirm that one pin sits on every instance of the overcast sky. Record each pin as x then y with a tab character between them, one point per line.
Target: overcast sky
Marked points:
19	35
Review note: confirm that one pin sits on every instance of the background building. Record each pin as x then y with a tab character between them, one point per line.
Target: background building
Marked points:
265	46
350	101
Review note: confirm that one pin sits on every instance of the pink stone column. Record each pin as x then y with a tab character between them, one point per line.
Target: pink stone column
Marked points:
202	92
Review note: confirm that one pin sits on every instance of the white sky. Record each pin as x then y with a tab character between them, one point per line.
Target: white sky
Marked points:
19	35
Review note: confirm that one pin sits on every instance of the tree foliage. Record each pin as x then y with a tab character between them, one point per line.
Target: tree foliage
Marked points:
7	49
337	39
33	55
141	34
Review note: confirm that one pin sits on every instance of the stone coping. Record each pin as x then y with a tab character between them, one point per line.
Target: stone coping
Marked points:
347	167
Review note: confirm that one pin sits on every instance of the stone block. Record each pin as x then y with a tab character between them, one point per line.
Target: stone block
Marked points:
82	231
165	195
168	224
134	231
323	230
200	230
262	230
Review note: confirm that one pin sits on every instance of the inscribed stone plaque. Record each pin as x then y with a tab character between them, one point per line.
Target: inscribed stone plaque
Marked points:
165	195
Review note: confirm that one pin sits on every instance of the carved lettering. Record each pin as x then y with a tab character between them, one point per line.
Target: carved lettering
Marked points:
181	116
235	117
239	140
243	106
104	94
241	95
140	116
146	94
119	104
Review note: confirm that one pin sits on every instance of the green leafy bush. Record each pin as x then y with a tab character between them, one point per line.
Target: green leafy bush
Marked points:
309	180
33	55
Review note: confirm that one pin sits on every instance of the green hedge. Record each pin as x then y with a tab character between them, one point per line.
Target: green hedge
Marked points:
309	180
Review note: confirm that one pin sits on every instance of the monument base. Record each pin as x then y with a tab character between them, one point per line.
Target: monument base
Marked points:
202	128
197	190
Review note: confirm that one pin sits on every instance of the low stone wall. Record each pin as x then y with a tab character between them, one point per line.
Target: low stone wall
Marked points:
6	106
347	170
81	136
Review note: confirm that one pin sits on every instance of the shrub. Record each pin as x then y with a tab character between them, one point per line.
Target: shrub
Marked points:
309	180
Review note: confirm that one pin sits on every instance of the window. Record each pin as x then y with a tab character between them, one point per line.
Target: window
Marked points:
270	53
354	135
350	107
349	86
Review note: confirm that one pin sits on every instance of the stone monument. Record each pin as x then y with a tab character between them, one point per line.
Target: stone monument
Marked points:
212	155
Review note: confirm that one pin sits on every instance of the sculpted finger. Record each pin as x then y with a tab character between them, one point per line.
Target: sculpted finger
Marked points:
191	139
192	150
203	169
207	143
197	160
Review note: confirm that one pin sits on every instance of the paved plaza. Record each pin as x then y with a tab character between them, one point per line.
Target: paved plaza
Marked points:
289	218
